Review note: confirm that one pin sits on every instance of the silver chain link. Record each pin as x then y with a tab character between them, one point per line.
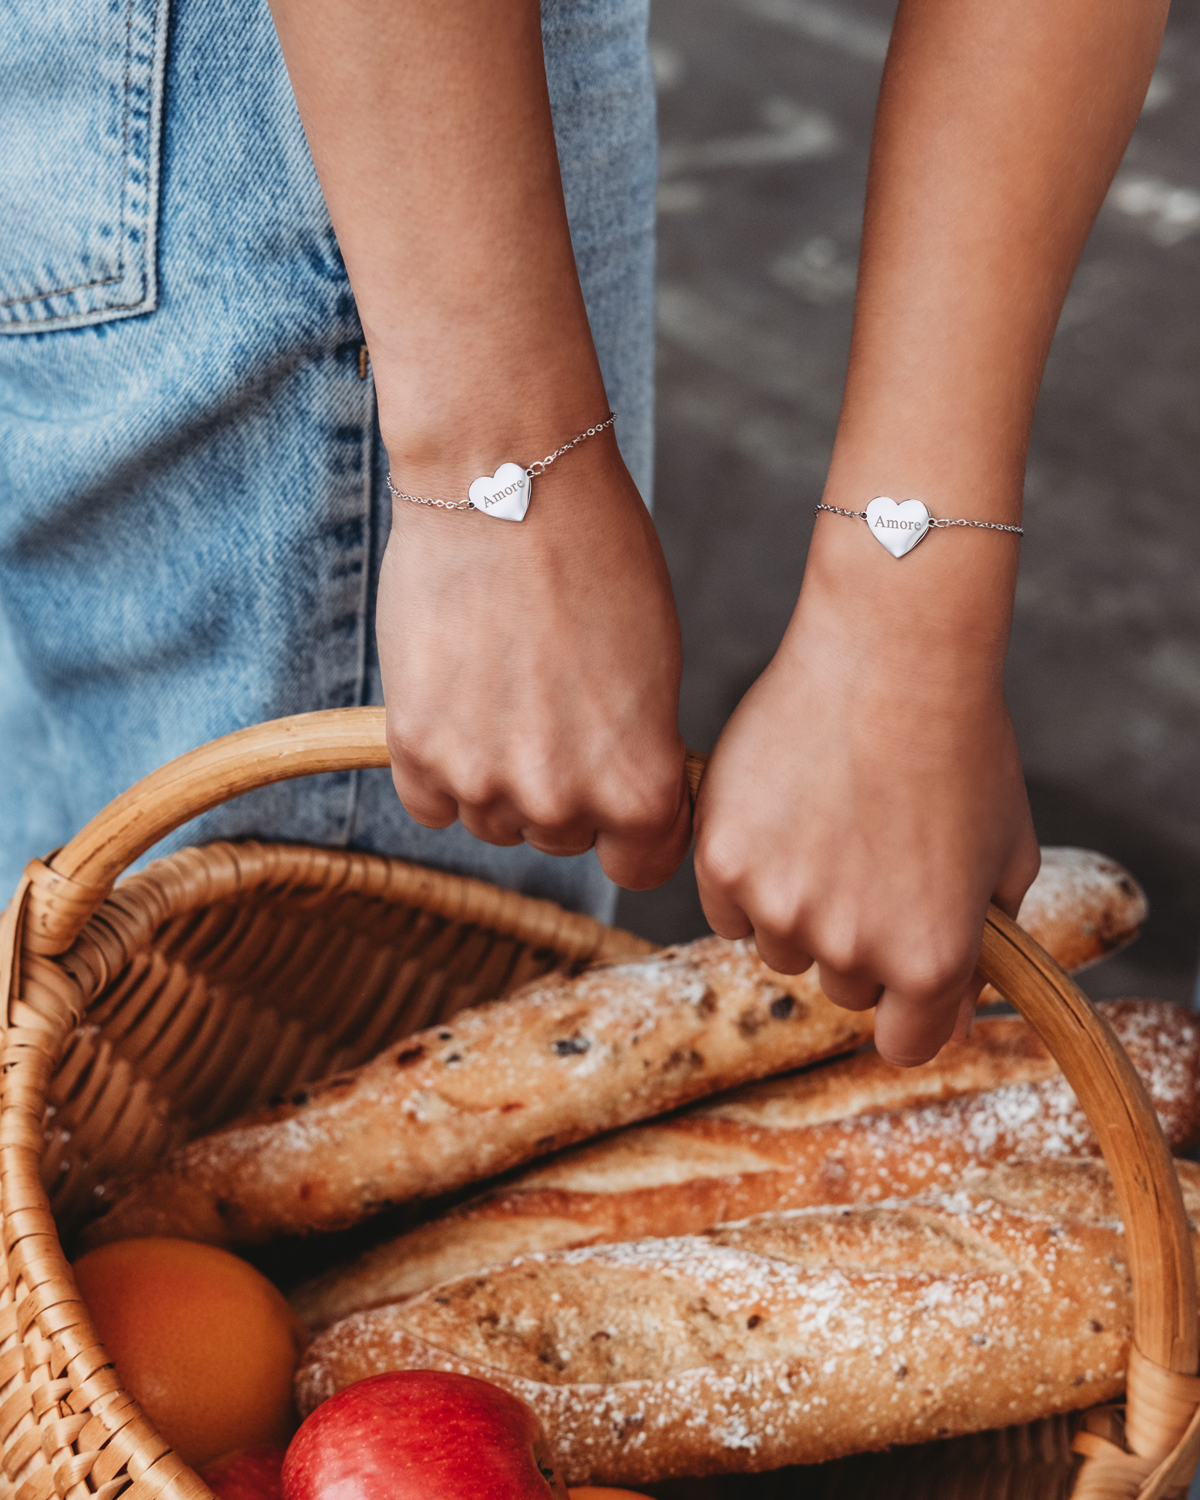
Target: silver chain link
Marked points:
543	464
980	525
861	515
836	510
539	466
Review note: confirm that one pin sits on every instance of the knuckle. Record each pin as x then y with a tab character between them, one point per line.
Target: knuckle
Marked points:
644	809
779	916
430	812
723	859
842	955
407	744
474	782
926	973
551	807
421	753
785	957
839	942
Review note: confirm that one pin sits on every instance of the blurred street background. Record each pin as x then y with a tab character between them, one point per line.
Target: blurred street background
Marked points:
766	112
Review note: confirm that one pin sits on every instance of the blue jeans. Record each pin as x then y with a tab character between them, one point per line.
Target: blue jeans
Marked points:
192	506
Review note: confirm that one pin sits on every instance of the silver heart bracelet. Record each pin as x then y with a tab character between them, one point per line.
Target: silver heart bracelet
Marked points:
506	494
900	527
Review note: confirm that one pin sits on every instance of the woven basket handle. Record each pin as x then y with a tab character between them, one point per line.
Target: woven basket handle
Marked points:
1163	1428
1162	1424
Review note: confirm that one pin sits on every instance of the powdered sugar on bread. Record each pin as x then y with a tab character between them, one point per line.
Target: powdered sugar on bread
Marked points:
561	1060
849	1131
789	1338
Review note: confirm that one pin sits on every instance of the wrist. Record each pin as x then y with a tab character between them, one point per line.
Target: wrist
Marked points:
873	694
473	403
580	508
935	620
442	455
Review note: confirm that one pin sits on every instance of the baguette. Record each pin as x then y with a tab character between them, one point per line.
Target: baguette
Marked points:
1082	907
341	1149
560	1060
791	1338
852	1131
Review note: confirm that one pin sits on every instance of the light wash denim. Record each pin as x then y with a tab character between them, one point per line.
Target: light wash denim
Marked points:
192	507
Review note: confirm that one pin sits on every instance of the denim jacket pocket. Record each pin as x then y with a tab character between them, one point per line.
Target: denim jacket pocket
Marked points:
81	84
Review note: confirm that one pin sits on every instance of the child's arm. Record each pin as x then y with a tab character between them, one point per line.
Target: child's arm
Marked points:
531	670
866	800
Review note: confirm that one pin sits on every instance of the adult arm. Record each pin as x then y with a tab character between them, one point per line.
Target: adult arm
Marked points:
531	671
866	799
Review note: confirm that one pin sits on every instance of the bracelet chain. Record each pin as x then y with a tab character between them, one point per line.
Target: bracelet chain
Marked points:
861	515
538	467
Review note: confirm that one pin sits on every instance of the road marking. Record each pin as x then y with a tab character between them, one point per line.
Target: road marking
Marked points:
1160	93
1172	664
857	36
1167	213
1095	287
793	134
791	447
681	197
815	272
773	364
668	64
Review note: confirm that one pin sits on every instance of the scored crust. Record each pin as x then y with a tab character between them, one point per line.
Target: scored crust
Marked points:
788	1338
561	1060
1082	907
500	1084
851	1131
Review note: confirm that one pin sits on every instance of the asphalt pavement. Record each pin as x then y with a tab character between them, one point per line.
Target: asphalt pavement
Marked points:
766	110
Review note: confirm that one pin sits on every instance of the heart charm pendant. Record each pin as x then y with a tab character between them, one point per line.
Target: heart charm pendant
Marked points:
898	527
505	494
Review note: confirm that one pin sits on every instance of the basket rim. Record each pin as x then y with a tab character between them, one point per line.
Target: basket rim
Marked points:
229	869
54	1326
55	901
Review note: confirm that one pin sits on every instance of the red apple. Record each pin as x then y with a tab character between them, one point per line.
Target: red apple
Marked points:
246	1474
421	1435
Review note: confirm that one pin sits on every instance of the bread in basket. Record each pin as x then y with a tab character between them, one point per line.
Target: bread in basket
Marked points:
164	967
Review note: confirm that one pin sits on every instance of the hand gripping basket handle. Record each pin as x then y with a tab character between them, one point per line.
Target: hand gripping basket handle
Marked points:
55	900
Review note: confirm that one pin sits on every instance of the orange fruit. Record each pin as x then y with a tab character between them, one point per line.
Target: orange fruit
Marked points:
203	1341
602	1492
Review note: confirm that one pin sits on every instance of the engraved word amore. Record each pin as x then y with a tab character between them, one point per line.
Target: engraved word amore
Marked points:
505	494
898	527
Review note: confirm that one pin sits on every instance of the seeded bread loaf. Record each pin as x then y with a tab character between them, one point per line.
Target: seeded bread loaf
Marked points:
788	1338
561	1060
407	1125
851	1131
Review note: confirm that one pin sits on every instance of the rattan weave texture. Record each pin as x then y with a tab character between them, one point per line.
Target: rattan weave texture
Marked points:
241	972
1034	1462
210	982
232	973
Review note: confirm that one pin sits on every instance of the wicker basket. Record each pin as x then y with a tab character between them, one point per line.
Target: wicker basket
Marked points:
222	976
1031	1462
